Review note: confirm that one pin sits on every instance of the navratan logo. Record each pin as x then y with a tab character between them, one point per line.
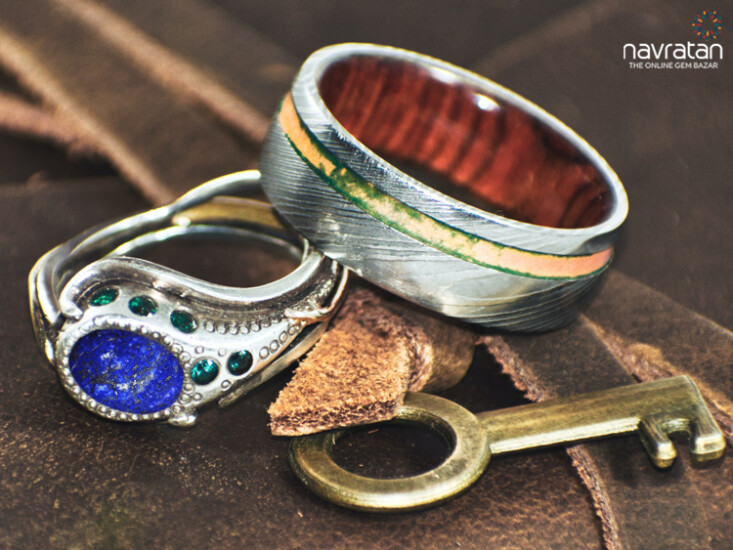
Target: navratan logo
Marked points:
707	25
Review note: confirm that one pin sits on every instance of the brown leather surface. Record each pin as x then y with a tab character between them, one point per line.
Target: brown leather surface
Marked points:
158	140
632	330
665	132
256	68
71	480
664	503
657	337
375	351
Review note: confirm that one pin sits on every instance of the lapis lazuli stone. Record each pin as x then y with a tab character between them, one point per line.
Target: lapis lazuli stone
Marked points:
126	371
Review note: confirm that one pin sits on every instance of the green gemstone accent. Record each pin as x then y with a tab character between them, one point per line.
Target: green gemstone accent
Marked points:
239	362
143	306
184	321
204	372
104	297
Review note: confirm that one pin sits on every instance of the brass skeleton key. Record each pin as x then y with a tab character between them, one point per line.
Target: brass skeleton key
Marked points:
656	409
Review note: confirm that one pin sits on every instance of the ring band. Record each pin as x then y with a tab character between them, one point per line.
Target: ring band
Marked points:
132	340
544	206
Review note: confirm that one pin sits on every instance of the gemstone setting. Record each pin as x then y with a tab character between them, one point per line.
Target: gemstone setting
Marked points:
143	306
239	362
204	371
126	371
184	321
104	297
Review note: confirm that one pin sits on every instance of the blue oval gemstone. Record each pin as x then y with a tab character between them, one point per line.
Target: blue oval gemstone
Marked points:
126	371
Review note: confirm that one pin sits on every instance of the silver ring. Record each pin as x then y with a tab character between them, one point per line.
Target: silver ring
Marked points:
135	341
544	206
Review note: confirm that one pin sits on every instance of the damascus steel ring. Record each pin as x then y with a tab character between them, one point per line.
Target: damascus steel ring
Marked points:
513	217
132	340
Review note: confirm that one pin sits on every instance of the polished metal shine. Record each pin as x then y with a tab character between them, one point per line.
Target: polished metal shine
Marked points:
654	409
411	263
274	323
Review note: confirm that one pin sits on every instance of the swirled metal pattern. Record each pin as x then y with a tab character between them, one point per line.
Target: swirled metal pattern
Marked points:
515	234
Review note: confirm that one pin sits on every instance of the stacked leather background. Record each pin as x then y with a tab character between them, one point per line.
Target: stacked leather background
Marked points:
112	105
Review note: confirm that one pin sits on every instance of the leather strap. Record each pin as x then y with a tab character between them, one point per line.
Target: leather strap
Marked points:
154	137
20	116
222	47
574	360
631	330
656	337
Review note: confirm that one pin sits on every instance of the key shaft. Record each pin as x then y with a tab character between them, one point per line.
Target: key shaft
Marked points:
656	409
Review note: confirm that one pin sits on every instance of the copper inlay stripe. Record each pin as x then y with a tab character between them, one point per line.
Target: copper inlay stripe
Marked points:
423	228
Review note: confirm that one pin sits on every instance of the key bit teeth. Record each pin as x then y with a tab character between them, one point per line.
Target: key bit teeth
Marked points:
657	443
707	441
708	445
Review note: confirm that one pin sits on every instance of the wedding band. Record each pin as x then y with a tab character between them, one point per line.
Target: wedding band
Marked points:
514	235
134	341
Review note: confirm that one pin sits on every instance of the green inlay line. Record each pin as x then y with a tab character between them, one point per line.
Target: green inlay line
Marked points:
386	208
